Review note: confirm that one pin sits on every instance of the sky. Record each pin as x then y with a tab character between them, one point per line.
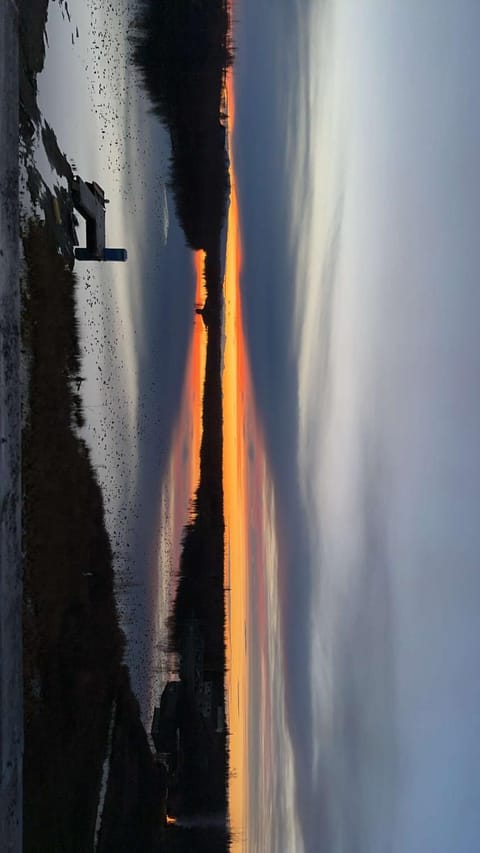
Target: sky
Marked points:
352	466
356	142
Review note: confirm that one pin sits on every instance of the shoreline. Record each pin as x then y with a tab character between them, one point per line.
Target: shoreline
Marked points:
11	668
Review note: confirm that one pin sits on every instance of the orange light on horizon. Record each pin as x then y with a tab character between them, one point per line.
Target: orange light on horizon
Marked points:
248	519
196	378
182	474
245	472
237	398
171	820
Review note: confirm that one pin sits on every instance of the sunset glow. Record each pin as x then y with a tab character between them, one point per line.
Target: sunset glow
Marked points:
183	468
235	392
250	539
246	508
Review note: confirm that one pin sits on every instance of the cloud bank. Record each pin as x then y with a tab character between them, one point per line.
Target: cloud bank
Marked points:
376	158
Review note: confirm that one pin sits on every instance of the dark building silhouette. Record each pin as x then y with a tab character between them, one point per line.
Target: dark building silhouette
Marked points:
89	200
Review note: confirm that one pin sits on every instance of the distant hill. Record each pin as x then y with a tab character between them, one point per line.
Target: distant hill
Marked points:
182	51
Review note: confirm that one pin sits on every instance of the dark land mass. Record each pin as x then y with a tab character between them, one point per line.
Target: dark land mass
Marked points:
75	679
197	624
76	686
73	647
132	823
201	587
182	51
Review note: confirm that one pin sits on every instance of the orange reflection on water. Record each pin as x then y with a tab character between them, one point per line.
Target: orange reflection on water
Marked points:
183	471
196	378
244	479
234	501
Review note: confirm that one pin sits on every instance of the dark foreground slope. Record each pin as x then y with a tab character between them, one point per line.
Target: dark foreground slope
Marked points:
74	679
11	723
75	682
76	688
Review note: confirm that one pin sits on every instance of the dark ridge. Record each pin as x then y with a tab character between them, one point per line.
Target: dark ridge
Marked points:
134	809
73	646
182	51
197	624
201	585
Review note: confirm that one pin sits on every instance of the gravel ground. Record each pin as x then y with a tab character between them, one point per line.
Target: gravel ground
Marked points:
11	722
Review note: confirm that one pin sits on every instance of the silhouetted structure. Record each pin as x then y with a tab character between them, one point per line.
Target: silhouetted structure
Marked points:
165	718
89	199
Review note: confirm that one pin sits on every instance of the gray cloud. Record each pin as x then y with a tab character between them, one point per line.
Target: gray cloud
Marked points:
361	273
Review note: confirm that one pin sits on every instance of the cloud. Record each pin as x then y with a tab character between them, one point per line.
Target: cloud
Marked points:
393	627
379	178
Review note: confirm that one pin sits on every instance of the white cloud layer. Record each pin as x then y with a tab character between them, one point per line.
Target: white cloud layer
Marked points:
386	168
